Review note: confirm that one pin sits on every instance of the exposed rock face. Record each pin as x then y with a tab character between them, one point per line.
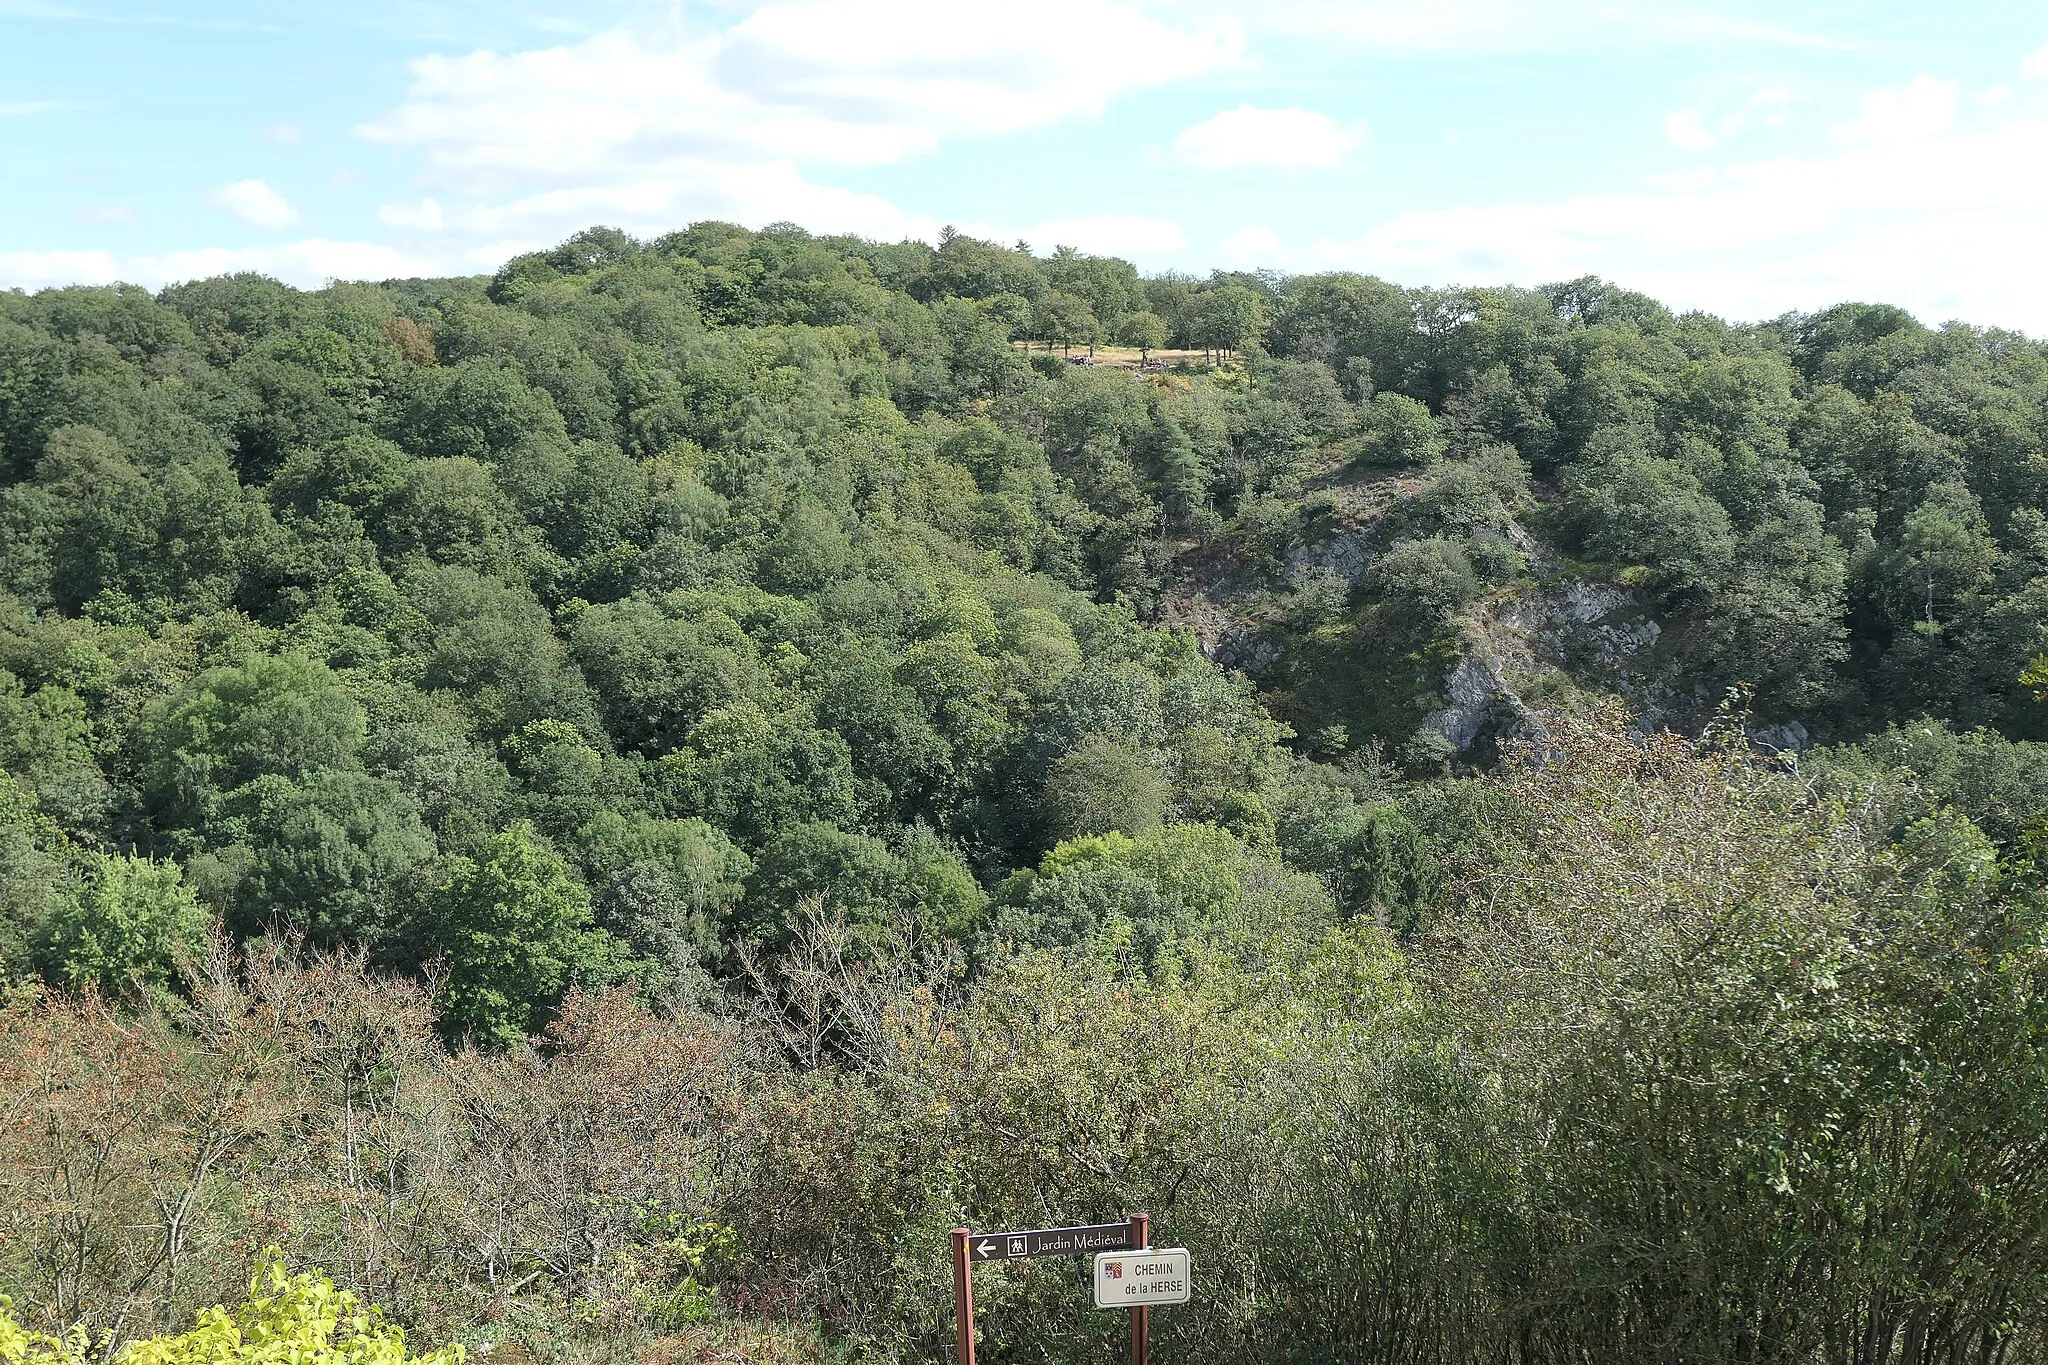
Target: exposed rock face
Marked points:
1598	623
1598	632
1347	554
1581	627
1480	700
1788	738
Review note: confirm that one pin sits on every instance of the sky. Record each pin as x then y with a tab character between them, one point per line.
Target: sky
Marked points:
1745	159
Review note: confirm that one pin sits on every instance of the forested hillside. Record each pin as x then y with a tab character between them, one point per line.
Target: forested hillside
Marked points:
1556	774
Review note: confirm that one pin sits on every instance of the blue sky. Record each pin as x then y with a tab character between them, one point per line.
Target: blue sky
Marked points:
1745	159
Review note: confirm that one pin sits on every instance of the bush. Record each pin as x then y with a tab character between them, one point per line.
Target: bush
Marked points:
300	1319
126	922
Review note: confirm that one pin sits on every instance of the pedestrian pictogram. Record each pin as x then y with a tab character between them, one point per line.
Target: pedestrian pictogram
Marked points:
1136	1276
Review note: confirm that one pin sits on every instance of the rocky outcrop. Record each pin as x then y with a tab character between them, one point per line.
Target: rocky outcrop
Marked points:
1480	703
1348	554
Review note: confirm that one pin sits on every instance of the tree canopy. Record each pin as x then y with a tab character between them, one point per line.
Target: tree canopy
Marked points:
1565	776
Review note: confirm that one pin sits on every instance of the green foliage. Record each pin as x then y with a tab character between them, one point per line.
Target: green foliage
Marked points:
276	716
1401	431
123	923
34	855
756	570
922	890
1061	319
1687	1059
517	930
1424	583
287	1317
1143	329
1105	784
1173	894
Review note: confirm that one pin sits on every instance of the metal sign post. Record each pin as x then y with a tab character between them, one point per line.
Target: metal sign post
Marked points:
963	1298
1141	1318
1103	1239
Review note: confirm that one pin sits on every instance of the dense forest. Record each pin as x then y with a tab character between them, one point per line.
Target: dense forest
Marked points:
606	807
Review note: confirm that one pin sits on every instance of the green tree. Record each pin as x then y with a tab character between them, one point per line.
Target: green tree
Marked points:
1166	895
924	887
1423	583
666	889
1232	318
123	923
1400	431
1143	329
34	859
280	715
326	856
1065	320
517	931
1105	783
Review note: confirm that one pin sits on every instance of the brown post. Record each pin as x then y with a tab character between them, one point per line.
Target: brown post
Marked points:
1141	1318
963	1298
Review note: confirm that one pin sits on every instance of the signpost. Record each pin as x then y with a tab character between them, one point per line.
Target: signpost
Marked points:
1128	1273
1014	1246
1141	1279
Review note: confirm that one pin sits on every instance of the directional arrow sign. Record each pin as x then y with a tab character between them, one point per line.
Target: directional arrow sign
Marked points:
1018	1246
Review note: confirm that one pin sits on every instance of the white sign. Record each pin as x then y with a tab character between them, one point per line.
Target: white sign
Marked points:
1142	1279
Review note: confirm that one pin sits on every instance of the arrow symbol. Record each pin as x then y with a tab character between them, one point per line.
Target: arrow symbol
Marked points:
981	1249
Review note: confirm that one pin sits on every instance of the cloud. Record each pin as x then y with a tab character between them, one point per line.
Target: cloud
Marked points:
255	203
649	129
1684	128
685	190
1919	110
2036	64
1904	207
1694	130
287	134
1247	136
1252	245
106	213
308	264
47	269
943	66
1135	237
1467	28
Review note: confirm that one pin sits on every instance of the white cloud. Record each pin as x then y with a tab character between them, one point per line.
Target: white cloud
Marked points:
105	213
287	134
424	216
1685	128
255	203
45	269
682	191
1134	237
1248	136
308	264
24	108
946	67
1919	110
2035	64
1251	245
1465	28
649	130
1693	130
1907	208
